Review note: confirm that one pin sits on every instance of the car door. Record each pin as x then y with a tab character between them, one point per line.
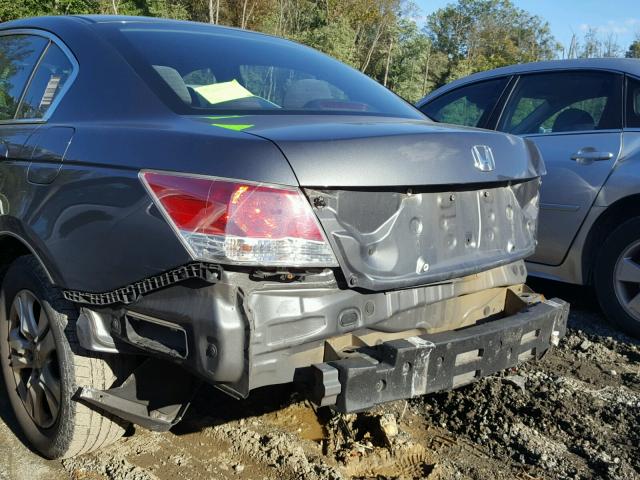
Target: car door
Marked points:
575	119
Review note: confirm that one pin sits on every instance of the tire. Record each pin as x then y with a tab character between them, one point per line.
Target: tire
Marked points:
615	295
71	428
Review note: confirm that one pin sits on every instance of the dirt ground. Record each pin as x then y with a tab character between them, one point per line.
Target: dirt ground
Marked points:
575	414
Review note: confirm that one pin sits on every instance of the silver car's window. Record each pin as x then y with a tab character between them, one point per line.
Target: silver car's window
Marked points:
50	76
633	103
470	105
18	56
564	102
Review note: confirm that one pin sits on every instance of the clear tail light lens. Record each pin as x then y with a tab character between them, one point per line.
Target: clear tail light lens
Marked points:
241	223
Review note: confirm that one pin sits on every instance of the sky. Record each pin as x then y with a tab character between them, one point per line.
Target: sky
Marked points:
619	17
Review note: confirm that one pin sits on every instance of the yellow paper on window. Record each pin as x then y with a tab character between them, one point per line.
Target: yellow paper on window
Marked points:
223	92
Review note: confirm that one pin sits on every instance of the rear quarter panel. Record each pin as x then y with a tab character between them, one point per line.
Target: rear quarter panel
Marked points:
95	225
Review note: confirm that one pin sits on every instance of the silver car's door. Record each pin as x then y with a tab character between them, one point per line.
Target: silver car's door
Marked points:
575	119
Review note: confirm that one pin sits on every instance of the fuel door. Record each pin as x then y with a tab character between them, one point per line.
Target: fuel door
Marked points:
50	145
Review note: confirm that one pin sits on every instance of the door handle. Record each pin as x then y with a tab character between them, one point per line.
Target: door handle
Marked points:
4	149
588	155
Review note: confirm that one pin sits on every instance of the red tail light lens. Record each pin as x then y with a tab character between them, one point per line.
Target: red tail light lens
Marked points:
237	222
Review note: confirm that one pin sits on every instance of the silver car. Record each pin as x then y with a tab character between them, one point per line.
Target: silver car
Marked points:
584	116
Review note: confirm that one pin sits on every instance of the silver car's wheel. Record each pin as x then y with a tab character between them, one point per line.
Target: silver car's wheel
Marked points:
627	279
34	360
616	276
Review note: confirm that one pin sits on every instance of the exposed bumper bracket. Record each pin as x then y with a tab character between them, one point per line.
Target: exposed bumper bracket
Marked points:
155	396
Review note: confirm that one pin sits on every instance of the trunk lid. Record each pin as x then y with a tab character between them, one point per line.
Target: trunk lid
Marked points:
367	151
409	202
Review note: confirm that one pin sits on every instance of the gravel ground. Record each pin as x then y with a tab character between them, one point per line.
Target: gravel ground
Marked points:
574	414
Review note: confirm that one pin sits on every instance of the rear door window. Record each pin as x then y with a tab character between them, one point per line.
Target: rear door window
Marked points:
18	57
557	102
633	103
52	73
470	105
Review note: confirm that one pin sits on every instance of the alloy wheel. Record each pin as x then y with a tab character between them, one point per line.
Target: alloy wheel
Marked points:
627	279
34	360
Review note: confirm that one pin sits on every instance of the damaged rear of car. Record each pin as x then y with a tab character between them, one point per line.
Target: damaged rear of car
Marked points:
363	294
252	213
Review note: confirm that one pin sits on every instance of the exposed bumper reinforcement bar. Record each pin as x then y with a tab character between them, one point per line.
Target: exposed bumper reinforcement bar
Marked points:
414	366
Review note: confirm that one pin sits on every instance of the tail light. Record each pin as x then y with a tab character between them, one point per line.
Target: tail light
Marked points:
240	222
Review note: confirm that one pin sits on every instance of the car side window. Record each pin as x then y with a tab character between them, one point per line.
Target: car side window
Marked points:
555	102
469	105
50	76
18	56
633	103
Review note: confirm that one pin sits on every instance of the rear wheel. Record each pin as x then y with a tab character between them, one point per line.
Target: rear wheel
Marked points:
43	365
617	276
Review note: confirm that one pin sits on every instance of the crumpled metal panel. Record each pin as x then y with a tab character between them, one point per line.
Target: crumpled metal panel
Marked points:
390	239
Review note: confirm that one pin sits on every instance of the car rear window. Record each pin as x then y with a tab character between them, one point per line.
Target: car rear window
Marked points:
199	69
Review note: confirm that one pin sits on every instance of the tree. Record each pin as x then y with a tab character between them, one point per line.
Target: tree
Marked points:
634	48
378	37
481	34
610	47
592	47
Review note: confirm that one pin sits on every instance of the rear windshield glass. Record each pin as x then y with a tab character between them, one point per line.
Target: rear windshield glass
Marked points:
204	69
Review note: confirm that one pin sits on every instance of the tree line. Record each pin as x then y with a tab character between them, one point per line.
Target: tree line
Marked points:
386	39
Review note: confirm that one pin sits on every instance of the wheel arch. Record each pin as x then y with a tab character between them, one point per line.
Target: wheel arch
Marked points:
617	213
14	245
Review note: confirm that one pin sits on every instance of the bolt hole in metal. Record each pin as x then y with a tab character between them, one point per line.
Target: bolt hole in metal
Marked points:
627	279
34	360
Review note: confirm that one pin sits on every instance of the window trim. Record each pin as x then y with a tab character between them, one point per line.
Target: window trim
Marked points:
67	85
498	108
518	78
625	102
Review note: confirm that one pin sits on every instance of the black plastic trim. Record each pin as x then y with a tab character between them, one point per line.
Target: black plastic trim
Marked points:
203	271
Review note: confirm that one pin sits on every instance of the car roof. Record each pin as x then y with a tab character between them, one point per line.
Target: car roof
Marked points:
57	24
625	65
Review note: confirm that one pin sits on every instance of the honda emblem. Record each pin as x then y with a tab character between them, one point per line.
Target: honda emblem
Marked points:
483	158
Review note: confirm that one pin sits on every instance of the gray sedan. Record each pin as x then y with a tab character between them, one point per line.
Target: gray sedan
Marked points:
584	116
